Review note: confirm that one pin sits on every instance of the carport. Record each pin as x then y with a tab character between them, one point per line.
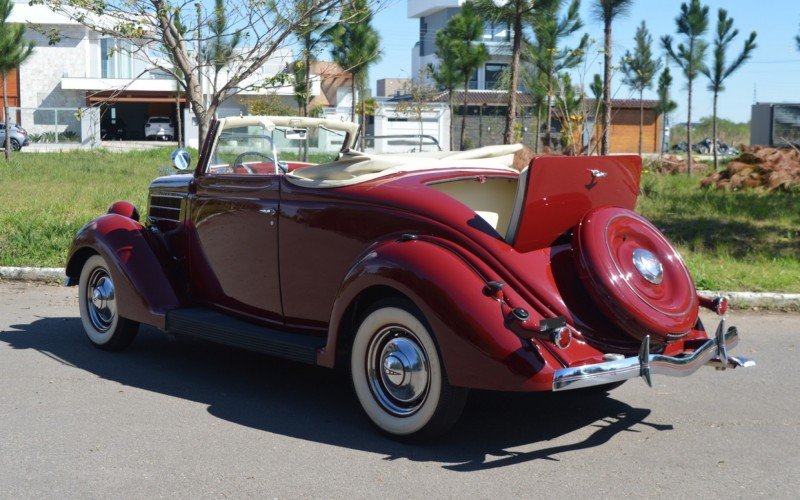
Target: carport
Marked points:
127	112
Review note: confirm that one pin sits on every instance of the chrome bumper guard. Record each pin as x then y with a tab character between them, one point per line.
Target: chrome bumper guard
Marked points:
713	352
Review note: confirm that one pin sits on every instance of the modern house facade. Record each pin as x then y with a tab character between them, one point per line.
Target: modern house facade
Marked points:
433	15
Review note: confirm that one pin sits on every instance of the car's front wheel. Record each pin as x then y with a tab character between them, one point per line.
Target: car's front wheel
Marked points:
398	376
98	304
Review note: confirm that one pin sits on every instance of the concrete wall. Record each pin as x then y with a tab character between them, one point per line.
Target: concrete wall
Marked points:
40	78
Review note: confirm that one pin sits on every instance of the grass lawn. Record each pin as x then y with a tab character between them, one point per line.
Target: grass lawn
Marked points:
46	197
731	241
744	240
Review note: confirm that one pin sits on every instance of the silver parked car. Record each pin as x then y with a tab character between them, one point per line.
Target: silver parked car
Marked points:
159	127
19	136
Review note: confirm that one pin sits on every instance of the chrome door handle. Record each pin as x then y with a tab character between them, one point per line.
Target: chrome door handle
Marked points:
268	211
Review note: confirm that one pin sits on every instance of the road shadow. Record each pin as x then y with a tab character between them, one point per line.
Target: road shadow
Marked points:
316	404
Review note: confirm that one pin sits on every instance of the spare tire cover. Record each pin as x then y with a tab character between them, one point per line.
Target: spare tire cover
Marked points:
637	279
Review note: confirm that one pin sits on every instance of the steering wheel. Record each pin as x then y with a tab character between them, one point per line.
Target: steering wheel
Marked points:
238	161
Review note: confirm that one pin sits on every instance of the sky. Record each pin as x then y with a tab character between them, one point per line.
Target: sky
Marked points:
771	75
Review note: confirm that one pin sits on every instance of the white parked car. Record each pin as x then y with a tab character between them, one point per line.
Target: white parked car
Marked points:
159	127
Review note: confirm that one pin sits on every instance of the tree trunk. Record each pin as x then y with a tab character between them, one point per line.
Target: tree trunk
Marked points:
450	103
538	128
480	126
714	133
308	91
7	147
689	131
604	147
641	119
307	75
178	120
464	114
353	93
511	116
548	137
363	119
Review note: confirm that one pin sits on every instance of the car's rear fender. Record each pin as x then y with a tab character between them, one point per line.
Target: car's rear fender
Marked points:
477	347
142	284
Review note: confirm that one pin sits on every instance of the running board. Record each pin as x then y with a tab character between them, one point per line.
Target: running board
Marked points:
218	327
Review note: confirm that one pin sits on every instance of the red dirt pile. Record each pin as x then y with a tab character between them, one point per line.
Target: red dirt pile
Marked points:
776	169
669	164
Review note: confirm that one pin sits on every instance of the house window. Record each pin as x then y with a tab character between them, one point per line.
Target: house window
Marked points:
492	73
473	81
496	31
423	33
115	58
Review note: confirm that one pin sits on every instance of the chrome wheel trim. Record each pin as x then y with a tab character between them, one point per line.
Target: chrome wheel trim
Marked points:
398	370
648	266
101	305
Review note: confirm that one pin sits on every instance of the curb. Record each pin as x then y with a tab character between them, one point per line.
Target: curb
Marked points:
738	300
40	274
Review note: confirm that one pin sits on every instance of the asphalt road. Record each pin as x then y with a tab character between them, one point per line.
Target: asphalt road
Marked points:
188	419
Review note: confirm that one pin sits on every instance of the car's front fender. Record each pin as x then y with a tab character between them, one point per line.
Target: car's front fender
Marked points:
142	284
477	348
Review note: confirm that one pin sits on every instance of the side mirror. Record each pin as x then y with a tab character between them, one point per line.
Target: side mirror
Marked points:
181	159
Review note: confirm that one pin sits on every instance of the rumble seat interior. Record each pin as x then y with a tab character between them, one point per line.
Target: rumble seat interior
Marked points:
492	199
355	167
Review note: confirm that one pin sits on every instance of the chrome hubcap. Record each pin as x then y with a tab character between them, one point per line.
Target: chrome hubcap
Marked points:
100	301
648	266
397	368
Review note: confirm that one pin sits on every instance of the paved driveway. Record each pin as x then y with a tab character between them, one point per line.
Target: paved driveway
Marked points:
187	418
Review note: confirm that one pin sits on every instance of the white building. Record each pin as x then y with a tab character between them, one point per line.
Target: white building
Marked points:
433	16
408	132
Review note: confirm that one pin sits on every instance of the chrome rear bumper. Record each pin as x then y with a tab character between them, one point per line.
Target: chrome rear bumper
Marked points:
713	352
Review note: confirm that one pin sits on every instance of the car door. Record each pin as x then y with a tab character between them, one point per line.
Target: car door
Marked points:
233	259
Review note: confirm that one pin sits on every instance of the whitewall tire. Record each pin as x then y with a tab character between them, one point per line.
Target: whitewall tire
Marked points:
397	373
98	305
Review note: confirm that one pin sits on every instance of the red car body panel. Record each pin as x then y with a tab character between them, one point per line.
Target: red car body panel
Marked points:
143	283
561	190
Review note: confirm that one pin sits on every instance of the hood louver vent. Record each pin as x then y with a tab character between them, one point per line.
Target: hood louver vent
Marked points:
166	206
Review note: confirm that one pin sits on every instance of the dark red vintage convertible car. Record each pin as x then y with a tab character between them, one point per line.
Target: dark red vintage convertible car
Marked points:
424	274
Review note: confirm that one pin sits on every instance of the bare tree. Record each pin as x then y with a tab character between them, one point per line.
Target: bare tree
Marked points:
172	36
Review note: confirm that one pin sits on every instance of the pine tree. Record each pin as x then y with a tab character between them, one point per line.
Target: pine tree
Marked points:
692	23
639	69
14	50
470	53
355	45
665	105
546	52
720	69
514	13
607	11
447	74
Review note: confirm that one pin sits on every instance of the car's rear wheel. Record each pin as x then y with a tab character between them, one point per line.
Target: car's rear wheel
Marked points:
15	145
398	376
98	304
